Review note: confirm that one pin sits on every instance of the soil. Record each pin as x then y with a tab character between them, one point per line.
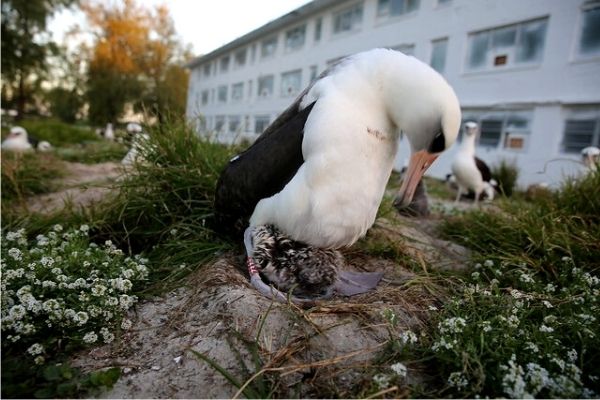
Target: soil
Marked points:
83	185
279	350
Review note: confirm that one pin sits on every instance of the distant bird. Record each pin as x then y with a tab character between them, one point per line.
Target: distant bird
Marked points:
137	143
109	133
470	172
44	146
318	172
18	140
591	157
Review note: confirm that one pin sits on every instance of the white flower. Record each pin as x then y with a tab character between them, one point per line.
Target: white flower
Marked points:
546	329
513	321
399	369
90	337
17	312
35	349
487	326
512	382
48	284
15	254
381	380
121	284
57	228
12	236
173	232
537	377
126	324
475	275
98	290
452	325
106	335
408	337
84	228
458	380
532	347
550	288
547	304
39	360
526	278
572	354
47	262
81	317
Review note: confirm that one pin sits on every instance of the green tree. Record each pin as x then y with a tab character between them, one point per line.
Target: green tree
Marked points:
26	46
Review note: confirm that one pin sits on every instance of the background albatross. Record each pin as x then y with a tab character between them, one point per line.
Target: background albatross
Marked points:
319	171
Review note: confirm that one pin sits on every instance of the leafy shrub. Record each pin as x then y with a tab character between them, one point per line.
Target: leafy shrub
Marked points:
506	175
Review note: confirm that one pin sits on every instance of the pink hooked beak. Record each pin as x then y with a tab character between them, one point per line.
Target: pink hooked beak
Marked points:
419	162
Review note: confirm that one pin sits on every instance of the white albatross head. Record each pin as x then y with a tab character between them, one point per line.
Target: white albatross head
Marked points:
425	108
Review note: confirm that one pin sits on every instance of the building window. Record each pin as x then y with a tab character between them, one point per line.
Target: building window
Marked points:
518	44
219	123
318	25
589	40
206	69
391	8
239	58
204	97
439	48
268	47
502	129
222	94
294	38
291	83
252	53
234	123
348	19
265	86
582	129
408	49
224	64
261	122
237	91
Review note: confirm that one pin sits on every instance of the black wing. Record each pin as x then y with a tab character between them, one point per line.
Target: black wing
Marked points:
32	140
486	174
259	172
264	168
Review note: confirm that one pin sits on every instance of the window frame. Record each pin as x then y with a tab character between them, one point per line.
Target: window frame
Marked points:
236	63
385	14
273	39
220	90
259	89
444	40
287	93
234	86
577	55
506	132
493	54
224	63
581	114
297	47
355	27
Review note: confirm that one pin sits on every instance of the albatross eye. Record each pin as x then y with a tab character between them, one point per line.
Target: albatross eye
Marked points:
438	144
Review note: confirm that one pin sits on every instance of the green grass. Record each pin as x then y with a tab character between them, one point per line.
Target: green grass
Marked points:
92	152
27	174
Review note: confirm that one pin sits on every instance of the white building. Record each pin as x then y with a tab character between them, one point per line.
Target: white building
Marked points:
527	70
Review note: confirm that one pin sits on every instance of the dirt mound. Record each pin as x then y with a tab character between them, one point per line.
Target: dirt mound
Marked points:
320	351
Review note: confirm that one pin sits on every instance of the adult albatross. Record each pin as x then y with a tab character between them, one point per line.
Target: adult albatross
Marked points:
319	171
471	173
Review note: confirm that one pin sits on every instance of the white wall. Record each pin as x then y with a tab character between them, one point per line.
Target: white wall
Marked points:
560	79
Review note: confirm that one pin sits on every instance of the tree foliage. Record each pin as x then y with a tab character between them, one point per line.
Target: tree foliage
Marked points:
25	47
136	58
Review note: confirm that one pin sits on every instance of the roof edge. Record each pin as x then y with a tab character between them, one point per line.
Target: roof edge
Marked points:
286	19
